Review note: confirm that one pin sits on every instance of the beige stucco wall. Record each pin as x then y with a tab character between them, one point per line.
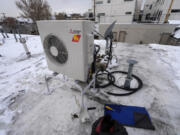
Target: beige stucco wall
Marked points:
136	33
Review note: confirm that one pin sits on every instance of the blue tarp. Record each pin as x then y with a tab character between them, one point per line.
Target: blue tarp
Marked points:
125	115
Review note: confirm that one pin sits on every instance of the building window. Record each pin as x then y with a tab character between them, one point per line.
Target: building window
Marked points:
150	7
156	15
148	16
175	10
108	1
100	14
99	2
128	13
128	0
159	15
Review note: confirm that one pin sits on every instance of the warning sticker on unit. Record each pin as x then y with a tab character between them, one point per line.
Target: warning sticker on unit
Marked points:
76	38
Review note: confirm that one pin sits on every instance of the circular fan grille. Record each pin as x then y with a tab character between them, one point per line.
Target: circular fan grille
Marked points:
55	49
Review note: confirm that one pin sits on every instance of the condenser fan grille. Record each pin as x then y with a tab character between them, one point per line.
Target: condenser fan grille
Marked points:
55	49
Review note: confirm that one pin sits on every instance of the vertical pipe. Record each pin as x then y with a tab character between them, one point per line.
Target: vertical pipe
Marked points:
94	10
23	42
168	12
14	33
129	77
2	33
142	4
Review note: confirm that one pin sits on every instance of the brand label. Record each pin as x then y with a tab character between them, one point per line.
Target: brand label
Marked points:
74	31
76	38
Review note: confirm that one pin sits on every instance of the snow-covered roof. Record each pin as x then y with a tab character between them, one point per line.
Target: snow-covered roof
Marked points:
174	21
53	17
68	15
177	34
24	100
26	20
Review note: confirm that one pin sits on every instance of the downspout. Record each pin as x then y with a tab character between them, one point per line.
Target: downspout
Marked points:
94	10
142	10
168	13
142	4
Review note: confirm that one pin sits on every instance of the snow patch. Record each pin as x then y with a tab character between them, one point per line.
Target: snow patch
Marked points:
24	20
170	56
20	75
174	21
177	34
3	132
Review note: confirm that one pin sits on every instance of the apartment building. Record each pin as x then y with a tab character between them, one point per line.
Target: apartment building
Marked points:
107	11
159	11
175	11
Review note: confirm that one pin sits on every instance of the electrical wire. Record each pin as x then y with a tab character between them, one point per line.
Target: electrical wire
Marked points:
111	78
98	48
130	90
111	82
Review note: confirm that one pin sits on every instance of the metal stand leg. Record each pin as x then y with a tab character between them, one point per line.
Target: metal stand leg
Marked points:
15	36
23	42
129	76
6	34
84	116
47	85
2	33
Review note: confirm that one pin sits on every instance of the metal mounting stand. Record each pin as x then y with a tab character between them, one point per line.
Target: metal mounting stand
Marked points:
23	42
84	116
129	75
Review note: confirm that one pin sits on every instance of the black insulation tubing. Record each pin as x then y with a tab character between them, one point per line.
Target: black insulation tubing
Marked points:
98	49
130	90
134	76
111	79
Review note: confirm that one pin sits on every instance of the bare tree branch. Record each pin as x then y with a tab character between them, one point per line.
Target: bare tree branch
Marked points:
34	9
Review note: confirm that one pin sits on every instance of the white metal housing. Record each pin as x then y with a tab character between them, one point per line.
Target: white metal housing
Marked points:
68	46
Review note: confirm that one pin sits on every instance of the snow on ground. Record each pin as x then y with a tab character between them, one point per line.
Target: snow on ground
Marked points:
23	89
170	56
177	34
26	109
174	21
14	67
14	62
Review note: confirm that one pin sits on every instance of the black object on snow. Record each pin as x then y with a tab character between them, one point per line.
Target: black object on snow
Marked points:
131	116
106	126
142	121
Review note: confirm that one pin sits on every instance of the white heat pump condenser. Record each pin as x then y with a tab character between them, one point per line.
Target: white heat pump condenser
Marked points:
68	46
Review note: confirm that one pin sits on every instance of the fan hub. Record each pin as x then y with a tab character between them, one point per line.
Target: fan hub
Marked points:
54	51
